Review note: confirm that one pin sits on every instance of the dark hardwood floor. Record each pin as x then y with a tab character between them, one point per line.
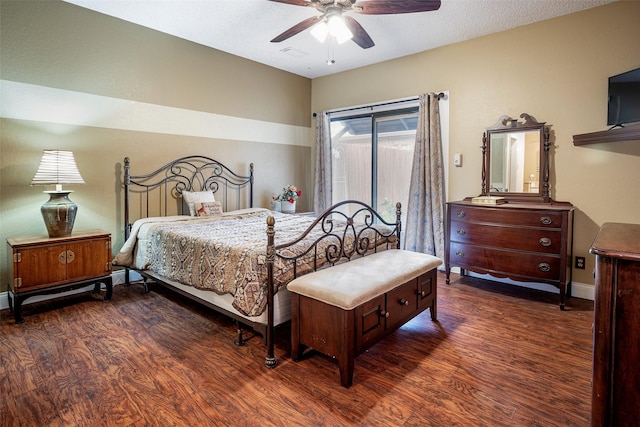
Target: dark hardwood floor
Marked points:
500	355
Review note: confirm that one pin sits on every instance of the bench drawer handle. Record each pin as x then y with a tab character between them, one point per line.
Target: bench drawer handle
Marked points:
461	214
545	220
404	302
545	241
543	266
384	313
461	232
459	253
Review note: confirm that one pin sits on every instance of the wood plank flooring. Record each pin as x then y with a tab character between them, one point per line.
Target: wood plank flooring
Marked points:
499	355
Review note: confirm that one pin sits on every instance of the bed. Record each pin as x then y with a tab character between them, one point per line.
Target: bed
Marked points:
191	226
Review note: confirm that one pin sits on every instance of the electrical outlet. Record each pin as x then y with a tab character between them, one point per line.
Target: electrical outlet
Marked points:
580	262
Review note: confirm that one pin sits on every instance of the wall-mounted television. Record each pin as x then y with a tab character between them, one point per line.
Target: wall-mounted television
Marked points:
624	98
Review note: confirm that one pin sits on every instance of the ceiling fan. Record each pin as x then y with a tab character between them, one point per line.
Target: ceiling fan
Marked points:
331	9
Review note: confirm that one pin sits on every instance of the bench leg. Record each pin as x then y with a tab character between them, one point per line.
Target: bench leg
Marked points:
296	350
347	352
346	371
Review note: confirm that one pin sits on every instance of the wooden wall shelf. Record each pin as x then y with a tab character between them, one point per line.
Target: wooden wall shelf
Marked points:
631	133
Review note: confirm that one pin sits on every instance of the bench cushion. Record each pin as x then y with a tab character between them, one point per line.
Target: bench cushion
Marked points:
352	283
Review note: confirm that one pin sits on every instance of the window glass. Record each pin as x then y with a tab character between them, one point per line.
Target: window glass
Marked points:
372	156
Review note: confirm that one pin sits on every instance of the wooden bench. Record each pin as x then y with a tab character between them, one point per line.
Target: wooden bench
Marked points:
343	310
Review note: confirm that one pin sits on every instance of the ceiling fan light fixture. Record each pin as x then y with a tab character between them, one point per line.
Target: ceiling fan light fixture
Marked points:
338	29
320	31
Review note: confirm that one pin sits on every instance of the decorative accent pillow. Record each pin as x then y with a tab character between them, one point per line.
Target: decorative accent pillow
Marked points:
208	208
191	197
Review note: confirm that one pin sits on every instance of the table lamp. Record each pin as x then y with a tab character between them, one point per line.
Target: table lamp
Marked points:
59	212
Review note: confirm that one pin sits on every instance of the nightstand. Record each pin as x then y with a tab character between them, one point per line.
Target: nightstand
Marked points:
39	265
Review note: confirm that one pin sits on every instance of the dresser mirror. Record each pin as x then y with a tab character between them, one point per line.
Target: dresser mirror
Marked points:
515	162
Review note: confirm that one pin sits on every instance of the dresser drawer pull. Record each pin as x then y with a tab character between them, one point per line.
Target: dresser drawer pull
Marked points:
545	220
545	241
62	257
404	301
543	266
459	253
461	232
70	257
384	313
461	214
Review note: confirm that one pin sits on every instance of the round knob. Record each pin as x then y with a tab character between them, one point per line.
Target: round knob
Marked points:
423	293
384	313
545	220
459	253
404	302
543	266
460	231
461	214
545	241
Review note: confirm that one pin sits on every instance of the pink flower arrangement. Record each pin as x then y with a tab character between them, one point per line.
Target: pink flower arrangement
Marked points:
289	193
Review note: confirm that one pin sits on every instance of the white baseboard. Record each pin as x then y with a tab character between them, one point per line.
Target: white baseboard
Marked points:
117	277
578	290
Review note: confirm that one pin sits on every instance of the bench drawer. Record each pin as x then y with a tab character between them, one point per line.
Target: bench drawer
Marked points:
402	303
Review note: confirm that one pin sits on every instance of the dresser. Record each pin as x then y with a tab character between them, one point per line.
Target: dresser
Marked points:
526	242
40	265
616	327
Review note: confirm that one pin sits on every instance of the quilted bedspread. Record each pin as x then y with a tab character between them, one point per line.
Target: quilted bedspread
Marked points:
224	254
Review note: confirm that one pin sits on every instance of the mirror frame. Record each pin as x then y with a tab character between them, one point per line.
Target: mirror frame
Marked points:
507	125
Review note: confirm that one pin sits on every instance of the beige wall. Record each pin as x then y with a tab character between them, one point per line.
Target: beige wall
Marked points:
555	70
81	70
104	88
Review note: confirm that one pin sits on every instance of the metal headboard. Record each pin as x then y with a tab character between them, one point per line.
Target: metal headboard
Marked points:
160	192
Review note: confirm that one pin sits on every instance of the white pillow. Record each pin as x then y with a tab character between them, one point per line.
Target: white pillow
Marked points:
191	197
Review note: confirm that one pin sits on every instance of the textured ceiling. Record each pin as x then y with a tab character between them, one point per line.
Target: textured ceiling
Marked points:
245	27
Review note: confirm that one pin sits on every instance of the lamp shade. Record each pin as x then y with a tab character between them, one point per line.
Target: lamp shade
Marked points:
59	212
57	167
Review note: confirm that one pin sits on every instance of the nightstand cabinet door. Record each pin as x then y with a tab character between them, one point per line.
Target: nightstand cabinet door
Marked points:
37	266
88	258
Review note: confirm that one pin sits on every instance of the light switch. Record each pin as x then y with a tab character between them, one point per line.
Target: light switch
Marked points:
457	160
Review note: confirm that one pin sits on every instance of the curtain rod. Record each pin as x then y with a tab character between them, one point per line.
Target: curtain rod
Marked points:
439	96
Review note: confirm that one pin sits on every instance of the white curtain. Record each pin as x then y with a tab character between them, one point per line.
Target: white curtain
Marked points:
322	185
424	230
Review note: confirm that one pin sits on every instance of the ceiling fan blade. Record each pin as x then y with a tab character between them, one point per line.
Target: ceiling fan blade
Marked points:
295	2
360	36
390	7
300	26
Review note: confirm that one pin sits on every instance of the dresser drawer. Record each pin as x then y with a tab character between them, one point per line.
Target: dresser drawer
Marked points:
508	237
512	263
507	216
